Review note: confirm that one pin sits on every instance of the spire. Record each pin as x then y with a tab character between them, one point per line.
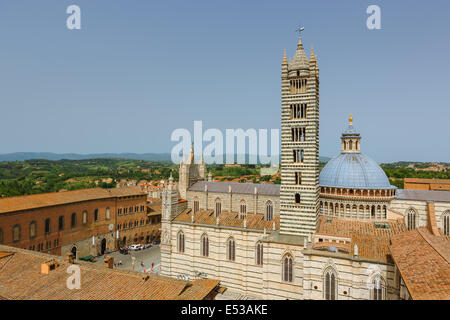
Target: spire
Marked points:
300	44
313	57
350	119
284	58
300	60
191	157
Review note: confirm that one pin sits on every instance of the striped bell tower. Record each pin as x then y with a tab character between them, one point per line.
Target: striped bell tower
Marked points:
299	195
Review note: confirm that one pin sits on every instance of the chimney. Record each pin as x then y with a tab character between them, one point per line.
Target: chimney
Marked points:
70	258
48	266
109	262
355	250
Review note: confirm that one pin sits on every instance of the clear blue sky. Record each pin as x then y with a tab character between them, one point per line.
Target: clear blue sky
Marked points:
137	70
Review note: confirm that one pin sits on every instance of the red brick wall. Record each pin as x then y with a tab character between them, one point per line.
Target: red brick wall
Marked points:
68	235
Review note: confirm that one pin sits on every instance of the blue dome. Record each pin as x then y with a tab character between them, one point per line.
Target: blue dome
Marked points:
353	170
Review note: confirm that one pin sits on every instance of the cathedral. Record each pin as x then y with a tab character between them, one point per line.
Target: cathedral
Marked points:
343	234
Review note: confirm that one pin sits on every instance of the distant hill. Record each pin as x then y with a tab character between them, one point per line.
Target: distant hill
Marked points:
21	156
162	157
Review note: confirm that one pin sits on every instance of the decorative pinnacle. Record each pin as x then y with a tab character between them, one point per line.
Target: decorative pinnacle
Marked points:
313	57
284	58
350	119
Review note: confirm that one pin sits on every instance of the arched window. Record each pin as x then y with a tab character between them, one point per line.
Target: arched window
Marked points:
446	223
33	229
259	254
297	198
196	205
16	233
243	208
1	236
287	268
411	219
378	288
108	213
73	220
85	217
218	207
231	249
330	285
269	211
180	242
204	246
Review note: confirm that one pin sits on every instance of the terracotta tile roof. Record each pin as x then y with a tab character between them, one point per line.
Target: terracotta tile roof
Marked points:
372	241
420	180
423	261
20	278
12	204
155	209
228	219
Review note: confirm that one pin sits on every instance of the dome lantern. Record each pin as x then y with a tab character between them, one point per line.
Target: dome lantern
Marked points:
351	140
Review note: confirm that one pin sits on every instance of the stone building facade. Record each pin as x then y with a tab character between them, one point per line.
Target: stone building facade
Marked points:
316	236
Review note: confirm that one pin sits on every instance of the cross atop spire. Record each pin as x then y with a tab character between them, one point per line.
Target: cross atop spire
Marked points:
300	30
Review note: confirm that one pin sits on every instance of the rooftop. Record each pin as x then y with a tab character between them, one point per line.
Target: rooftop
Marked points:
420	180
242	188
372	238
423	261
423	195
353	170
21	279
20	203
228	219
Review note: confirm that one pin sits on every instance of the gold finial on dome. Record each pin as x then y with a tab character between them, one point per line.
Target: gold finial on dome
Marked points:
350	119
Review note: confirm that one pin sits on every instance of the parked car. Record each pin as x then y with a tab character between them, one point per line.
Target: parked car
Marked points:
88	258
123	250
135	247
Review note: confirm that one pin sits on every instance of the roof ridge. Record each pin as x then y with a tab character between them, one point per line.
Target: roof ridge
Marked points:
424	235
